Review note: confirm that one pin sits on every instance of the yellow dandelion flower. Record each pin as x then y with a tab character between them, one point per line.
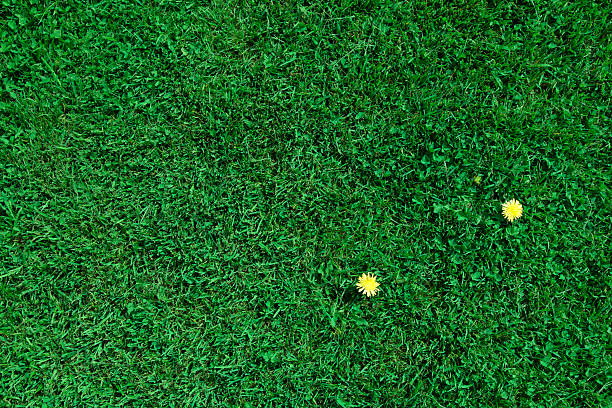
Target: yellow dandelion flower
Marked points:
367	285
512	210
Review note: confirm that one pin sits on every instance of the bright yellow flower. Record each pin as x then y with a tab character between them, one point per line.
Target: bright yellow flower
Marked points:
512	210
367	285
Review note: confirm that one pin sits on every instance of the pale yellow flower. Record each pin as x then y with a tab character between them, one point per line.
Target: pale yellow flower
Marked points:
512	210
367	285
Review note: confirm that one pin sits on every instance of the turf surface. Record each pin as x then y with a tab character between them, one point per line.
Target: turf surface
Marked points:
190	190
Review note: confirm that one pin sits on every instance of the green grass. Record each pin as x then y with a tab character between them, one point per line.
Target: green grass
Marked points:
189	191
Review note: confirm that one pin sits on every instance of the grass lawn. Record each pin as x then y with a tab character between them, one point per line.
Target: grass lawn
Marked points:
190	190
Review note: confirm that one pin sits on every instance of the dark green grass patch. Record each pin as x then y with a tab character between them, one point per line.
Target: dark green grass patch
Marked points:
190	190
